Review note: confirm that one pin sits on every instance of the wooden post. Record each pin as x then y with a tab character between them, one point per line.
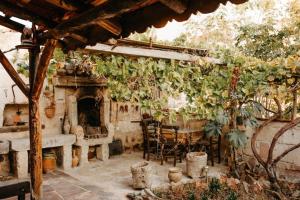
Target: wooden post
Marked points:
37	75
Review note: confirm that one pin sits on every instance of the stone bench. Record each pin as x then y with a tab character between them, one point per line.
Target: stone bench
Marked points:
21	146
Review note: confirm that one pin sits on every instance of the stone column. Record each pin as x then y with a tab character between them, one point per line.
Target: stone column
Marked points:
66	156
102	152
21	169
72	111
84	150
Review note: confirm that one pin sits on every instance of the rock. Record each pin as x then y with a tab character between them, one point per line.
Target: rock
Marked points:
264	183
256	187
296	194
233	183
251	163
246	186
249	179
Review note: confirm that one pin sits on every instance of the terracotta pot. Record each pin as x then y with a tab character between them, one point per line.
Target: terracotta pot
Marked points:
75	159
175	174
49	162
50	111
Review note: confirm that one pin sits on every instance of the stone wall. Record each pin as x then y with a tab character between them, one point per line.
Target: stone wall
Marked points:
9	39
125	117
291	161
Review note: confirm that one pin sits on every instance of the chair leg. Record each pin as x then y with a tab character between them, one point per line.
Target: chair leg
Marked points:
161	155
175	152
219	149
211	151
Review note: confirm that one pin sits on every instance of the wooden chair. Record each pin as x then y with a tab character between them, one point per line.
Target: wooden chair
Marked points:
150	137
212	146
169	144
14	188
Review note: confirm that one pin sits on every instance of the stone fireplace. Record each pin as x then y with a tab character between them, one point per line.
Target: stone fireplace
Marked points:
87	111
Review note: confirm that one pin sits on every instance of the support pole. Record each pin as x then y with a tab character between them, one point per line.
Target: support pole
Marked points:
37	73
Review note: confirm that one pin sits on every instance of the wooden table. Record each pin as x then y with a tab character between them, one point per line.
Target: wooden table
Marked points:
188	136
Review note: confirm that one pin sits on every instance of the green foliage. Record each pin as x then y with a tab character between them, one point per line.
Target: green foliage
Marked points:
213	129
191	196
232	195
214	186
237	138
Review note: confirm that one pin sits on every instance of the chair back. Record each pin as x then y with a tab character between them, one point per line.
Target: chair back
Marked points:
169	133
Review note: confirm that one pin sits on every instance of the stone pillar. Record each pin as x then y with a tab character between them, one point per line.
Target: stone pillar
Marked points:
102	152
84	150
21	168
72	111
67	156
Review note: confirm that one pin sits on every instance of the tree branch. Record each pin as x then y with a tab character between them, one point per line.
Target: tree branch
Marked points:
259	129
278	134
278	158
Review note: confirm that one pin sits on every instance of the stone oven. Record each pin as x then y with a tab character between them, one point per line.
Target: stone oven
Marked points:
87	109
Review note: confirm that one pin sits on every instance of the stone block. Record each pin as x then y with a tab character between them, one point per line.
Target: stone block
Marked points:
84	150
4	146
66	156
21	167
102	152
22	144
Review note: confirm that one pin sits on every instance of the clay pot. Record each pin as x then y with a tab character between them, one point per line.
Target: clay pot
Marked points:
67	126
49	162
141	175
75	159
175	174
50	111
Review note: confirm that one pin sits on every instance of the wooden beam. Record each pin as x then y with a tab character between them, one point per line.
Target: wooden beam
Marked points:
98	2
176	5
62	4
13	74
143	52
111	26
37	74
5	21
42	67
16	11
106	11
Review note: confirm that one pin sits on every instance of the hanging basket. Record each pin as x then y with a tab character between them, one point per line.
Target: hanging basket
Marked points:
195	162
50	111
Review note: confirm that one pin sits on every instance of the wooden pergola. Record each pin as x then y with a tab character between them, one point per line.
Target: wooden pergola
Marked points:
72	24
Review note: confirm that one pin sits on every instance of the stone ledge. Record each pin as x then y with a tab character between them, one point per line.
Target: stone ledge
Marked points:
93	142
23	144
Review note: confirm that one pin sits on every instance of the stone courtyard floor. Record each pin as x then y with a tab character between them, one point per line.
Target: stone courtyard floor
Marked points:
106	180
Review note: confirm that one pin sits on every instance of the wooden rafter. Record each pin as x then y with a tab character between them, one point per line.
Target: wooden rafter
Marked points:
16	11
13	74
7	22
42	67
177	5
106	11
111	26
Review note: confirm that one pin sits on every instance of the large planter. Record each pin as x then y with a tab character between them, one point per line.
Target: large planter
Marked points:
49	162
141	174
195	162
